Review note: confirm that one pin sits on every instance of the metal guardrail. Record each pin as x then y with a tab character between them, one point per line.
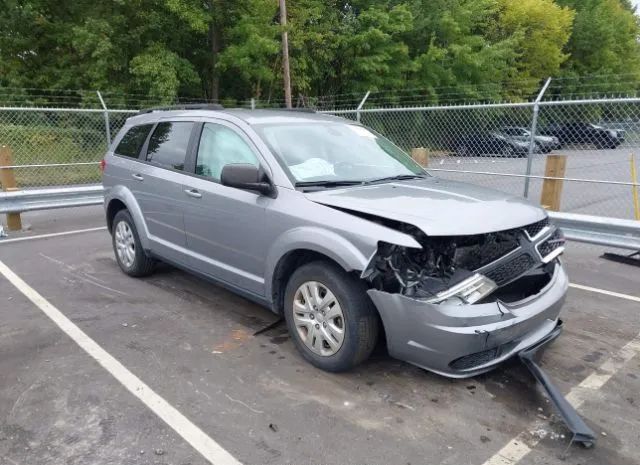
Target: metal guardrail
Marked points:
48	199
611	232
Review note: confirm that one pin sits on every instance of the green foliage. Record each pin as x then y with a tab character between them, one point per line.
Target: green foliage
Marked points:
230	49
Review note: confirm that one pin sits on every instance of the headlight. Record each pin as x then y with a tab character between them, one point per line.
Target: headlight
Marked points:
524	145
467	292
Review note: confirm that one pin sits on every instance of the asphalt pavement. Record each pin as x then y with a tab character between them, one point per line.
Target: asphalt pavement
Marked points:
195	346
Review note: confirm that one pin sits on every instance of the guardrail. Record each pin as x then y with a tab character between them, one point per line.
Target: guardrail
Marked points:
611	232
47	199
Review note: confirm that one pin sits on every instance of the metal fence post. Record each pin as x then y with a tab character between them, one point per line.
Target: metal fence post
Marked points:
366	96
106	119
253	103
532	141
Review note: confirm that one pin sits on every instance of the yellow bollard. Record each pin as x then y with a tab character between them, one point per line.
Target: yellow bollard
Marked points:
634	188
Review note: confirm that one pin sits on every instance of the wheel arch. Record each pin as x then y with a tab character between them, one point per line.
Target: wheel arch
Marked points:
119	198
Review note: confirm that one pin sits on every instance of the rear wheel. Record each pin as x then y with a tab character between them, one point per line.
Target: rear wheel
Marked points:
130	255
332	321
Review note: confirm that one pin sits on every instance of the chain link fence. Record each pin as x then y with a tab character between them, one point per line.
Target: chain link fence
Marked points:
57	147
490	145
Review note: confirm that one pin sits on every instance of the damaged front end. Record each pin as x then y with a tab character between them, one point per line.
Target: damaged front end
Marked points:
459	305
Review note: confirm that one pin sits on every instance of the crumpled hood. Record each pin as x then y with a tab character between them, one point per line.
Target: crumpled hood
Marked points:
437	206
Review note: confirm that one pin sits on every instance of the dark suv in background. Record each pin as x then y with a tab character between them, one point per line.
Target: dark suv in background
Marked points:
586	133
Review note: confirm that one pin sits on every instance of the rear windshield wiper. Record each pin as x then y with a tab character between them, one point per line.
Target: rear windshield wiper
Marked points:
328	183
400	177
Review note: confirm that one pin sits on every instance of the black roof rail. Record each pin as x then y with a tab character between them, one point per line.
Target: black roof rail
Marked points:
190	106
301	109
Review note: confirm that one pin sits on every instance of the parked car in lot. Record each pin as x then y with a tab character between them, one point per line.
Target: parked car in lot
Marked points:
546	143
493	143
334	227
586	133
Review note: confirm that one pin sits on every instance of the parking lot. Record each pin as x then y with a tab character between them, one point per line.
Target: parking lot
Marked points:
203	384
591	198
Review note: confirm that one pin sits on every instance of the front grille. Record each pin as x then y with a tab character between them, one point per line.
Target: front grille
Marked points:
474	360
535	228
555	241
510	270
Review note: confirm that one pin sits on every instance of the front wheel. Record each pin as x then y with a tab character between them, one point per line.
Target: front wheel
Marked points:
332	321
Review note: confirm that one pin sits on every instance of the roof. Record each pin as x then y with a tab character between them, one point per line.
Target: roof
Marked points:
263	116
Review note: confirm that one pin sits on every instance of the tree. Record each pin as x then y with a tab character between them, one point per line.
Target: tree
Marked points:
603	44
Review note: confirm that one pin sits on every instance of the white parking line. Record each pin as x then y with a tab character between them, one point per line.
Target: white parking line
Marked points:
45	236
206	446
605	292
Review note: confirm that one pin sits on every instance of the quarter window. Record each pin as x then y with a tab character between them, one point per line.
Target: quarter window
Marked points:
221	146
133	141
168	145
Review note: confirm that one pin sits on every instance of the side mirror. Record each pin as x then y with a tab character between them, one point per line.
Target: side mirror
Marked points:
245	176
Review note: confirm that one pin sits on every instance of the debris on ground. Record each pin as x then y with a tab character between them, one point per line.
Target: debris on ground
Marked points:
158	451
273	427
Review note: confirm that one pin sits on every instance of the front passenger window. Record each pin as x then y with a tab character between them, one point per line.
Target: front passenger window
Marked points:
221	146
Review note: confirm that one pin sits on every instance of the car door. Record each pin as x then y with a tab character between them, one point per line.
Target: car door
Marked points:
224	225
158	187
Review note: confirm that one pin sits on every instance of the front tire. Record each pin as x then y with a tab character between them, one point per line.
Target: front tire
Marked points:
332	321
130	255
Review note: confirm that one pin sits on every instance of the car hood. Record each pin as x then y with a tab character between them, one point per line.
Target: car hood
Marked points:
438	207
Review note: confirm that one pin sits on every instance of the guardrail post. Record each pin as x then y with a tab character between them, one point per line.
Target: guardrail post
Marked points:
552	188
420	156
532	140
9	184
106	119
364	99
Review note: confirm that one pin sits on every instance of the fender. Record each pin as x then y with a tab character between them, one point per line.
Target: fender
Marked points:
329	243
123	194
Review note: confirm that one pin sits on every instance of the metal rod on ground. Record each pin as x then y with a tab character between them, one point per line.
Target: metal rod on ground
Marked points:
9	184
532	140
366	96
285	54
106	119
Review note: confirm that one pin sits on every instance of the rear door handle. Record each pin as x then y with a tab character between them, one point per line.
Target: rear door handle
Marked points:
137	177
193	193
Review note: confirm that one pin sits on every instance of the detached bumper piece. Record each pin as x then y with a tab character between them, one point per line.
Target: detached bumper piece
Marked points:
581	432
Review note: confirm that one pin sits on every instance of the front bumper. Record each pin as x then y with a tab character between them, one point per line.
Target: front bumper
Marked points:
460	341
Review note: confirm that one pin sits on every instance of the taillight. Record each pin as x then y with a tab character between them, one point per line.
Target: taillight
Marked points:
103	165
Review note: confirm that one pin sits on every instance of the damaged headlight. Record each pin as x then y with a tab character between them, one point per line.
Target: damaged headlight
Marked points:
469	291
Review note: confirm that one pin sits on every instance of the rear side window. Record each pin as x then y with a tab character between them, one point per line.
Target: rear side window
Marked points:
168	145
133	141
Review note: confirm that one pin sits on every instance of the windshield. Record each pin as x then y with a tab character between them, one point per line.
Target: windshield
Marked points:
334	152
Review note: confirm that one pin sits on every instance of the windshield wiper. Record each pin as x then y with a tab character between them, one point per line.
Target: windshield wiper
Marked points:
400	177
328	183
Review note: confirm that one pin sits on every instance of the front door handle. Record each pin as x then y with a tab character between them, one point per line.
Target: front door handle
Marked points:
193	193
137	177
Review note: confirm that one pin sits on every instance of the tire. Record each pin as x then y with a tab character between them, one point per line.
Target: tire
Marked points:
141	264
462	150
360	320
507	151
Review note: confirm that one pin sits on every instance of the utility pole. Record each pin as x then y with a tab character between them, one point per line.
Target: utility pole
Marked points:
285	54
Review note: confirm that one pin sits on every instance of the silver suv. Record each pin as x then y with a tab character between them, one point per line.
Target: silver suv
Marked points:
329	224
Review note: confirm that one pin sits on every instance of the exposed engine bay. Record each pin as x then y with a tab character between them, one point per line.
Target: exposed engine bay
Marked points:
509	265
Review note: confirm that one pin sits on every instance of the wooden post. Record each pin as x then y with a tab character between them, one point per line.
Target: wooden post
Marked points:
8	183
552	188
421	156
